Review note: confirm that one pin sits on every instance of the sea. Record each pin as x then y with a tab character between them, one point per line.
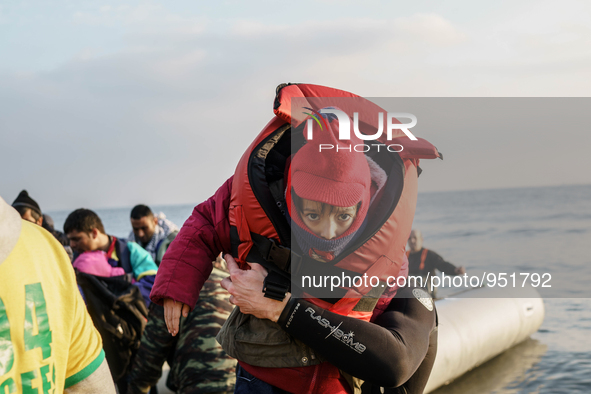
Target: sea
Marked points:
541	230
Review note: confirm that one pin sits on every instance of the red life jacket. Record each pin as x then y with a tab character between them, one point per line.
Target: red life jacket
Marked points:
260	232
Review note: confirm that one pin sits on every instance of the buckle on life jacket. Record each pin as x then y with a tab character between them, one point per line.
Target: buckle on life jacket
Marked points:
280	256
273	252
277	259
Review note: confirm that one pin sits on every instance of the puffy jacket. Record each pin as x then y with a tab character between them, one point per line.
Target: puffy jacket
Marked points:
204	234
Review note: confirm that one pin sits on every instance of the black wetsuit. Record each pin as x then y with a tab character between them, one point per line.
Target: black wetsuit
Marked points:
397	352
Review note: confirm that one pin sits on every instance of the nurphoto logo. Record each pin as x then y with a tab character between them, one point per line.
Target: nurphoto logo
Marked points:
345	128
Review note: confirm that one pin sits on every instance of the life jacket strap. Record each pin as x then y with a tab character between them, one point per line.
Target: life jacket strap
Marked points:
278	263
271	251
275	286
275	258
423	258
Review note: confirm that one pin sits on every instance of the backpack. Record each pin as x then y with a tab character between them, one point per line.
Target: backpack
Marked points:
119	313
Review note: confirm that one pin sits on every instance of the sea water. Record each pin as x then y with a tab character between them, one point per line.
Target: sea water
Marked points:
526	230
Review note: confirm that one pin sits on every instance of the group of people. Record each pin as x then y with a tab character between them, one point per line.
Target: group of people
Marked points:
197	362
289	208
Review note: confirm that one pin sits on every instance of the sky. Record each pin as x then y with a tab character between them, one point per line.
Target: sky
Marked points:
111	104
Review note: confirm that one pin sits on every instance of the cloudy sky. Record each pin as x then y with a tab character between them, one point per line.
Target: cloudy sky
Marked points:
108	104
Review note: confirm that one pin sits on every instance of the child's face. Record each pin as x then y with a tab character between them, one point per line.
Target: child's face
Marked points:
327	221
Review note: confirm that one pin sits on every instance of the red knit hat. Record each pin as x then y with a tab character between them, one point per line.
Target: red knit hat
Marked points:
338	176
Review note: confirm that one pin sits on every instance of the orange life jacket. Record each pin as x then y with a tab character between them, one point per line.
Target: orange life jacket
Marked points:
260	233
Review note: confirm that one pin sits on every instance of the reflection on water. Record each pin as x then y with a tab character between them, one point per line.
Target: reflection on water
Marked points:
511	368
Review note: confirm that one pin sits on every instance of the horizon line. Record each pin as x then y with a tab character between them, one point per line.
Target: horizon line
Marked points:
419	193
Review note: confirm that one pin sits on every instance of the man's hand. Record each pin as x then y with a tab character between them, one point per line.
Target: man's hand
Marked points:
172	314
246	289
460	270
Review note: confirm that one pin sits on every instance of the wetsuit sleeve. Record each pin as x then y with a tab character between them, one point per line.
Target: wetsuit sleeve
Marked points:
155	347
186	265
442	265
385	353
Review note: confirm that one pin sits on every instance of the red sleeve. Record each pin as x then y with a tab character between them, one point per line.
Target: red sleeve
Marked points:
187	262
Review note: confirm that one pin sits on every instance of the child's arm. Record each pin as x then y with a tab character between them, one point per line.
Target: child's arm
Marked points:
187	262
172	314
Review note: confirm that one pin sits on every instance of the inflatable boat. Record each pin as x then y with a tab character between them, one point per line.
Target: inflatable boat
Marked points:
479	325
